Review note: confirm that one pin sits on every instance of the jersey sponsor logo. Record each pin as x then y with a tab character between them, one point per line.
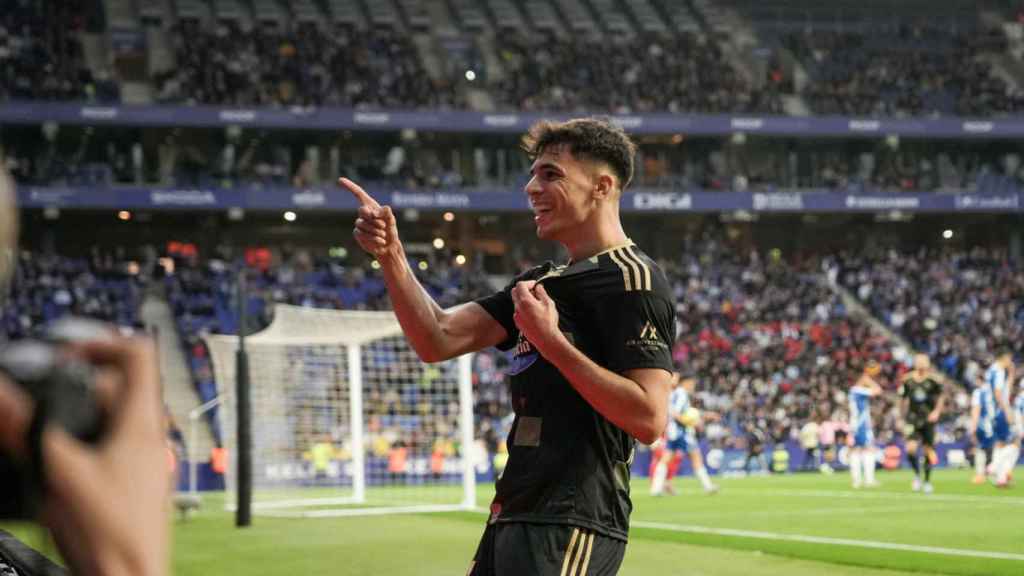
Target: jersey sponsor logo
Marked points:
649	331
523	357
648	338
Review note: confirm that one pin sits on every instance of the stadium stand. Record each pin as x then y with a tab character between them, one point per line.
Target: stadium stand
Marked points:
959	306
505	14
47	287
877	63
647	17
689	69
346	12
904	71
542	14
41	55
775	345
231	64
470	15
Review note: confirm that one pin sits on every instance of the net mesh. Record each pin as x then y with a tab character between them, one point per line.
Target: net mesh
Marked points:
345	417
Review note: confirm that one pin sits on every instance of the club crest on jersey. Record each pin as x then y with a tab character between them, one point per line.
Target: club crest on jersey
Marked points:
523	357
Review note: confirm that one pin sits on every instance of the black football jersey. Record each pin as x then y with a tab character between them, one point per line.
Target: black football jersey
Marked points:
567	463
923	396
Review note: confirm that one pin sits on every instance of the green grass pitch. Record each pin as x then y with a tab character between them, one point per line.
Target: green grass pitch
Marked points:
787	526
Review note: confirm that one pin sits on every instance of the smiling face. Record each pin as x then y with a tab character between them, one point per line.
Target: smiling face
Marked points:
563	192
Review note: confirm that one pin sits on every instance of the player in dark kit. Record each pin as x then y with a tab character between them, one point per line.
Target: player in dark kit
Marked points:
592	359
921	406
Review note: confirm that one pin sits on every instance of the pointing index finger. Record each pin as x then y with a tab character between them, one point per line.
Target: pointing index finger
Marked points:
360	194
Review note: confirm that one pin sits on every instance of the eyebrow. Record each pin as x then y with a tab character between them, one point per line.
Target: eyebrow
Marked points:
545	166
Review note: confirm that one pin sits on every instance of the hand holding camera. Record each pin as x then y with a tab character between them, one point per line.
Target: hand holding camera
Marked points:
93	459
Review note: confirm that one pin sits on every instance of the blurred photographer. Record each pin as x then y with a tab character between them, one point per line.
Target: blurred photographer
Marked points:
104	503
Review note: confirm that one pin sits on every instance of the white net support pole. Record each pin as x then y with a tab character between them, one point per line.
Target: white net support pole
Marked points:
355	386
465	364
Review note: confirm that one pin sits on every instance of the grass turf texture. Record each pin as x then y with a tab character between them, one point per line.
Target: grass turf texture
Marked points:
958	516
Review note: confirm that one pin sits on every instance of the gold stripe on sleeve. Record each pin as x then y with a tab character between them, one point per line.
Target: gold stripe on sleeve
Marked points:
625	270
647	269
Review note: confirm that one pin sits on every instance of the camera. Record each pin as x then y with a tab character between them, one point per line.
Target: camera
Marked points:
63	390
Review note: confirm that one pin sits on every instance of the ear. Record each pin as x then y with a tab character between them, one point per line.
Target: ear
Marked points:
604	186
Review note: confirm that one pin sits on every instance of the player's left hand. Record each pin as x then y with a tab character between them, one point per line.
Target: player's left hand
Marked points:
933	417
536	315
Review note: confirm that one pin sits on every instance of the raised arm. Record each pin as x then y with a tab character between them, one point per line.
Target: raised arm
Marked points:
436	334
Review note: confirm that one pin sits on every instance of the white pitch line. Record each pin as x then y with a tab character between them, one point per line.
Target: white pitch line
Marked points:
814	512
881	495
830	541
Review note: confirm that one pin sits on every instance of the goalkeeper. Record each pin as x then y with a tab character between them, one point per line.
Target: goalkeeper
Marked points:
592	362
681	436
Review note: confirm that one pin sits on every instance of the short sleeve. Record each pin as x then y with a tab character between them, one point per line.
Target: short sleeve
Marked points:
636	329
499	305
902	391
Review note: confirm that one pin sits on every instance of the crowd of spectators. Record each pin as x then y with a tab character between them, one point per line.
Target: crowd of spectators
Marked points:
41	54
230	64
958	306
890	69
661	73
47	287
904	70
773	345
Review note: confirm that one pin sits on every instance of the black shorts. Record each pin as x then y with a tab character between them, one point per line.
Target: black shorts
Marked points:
922	431
521	549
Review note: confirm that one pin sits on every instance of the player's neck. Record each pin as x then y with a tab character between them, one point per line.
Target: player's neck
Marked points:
596	240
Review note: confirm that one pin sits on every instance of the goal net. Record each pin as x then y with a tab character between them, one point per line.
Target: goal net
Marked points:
346	419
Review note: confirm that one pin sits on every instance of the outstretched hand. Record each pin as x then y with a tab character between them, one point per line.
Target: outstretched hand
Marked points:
375	230
536	314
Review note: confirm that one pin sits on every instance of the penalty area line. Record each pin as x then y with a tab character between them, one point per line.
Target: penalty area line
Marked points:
938	550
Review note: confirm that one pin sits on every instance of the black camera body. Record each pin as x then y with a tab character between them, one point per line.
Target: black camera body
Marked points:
63	390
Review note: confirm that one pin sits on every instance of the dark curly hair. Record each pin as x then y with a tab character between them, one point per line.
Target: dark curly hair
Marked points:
594	139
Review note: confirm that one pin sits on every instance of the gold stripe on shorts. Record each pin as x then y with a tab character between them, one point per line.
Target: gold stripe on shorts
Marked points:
570	551
586	554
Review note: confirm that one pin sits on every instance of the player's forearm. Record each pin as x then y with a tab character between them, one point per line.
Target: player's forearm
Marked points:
619	399
416	310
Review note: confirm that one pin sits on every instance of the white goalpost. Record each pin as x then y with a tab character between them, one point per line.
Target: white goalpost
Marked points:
346	420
